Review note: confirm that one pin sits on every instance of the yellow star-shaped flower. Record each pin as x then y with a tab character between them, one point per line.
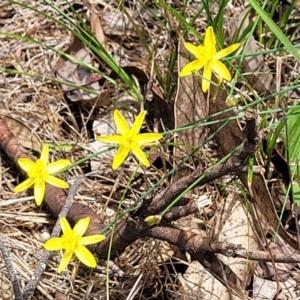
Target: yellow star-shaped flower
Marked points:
130	139
73	242
39	173
208	57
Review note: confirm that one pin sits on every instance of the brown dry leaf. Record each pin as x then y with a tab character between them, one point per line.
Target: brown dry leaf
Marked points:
26	137
96	27
228	139
75	73
232	226
260	77
190	106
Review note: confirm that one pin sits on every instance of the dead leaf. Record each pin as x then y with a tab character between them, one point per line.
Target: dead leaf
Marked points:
118	23
96	27
190	106
228	139
26	137
232	226
259	75
198	284
80	76
280	271
270	290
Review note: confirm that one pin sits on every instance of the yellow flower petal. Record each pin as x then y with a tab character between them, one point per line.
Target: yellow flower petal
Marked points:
45	154
65	226
92	239
81	226
113	139
39	191
210	42
146	138
220	69
65	260
197	51
191	67
140	155
24	185
136	127
120	157
120	122
56	182
226	51
206	78
85	256
54	244
57	166
26	164
129	138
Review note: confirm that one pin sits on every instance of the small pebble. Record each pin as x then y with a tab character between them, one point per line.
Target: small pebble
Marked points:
45	236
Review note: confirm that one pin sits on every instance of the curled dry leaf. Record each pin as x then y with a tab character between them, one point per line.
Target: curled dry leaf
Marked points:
96	26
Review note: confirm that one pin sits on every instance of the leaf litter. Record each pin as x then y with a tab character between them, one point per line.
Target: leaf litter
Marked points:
41	108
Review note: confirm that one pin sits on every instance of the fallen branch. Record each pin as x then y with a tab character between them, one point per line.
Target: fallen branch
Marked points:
134	227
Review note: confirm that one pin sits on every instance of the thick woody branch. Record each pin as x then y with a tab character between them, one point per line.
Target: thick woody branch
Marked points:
198	244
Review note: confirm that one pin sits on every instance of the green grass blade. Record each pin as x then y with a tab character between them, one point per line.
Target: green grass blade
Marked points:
275	29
